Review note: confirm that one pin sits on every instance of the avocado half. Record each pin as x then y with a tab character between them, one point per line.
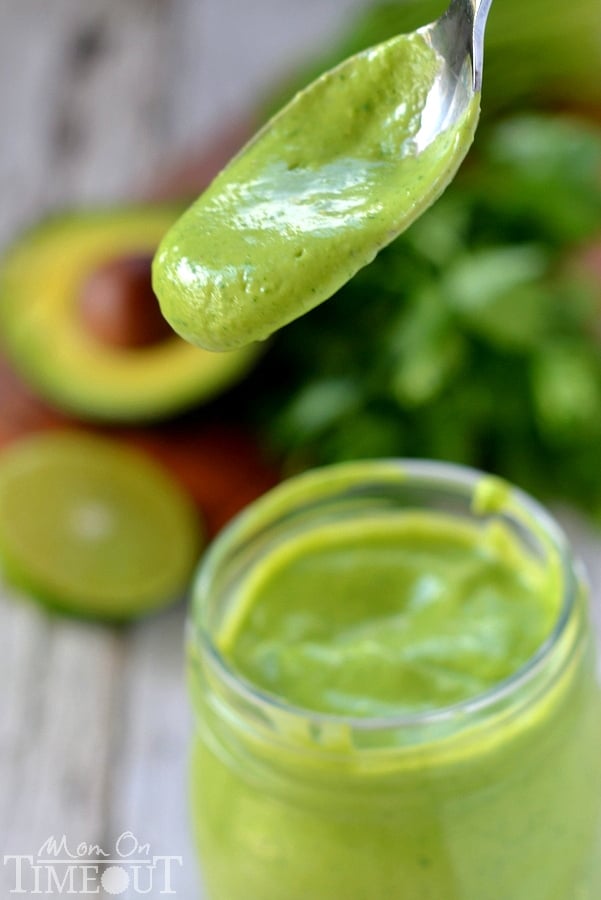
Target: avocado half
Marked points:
43	333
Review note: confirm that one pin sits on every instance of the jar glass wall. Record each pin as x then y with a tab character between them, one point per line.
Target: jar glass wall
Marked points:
493	798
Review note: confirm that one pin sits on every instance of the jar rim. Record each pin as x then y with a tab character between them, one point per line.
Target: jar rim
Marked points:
428	473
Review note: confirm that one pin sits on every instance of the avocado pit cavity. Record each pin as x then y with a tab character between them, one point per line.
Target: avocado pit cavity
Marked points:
118	306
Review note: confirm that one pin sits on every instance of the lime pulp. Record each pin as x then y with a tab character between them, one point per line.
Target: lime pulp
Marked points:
92	527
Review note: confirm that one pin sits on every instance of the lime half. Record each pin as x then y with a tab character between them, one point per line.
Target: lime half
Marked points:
92	527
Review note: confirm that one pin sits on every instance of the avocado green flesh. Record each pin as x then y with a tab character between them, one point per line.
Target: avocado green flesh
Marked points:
49	344
333	178
393	615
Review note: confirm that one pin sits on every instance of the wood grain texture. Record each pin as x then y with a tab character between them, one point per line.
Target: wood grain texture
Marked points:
238	51
84	97
96	98
148	793
60	693
83	86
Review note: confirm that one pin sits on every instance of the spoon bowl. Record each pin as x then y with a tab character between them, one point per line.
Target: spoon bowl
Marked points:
334	177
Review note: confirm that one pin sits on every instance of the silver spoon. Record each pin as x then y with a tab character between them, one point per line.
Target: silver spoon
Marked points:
343	169
458	37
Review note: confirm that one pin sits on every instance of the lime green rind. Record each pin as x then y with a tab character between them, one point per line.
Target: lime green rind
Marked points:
37	593
139	491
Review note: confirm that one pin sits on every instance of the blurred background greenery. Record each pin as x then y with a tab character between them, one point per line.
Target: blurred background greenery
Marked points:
475	336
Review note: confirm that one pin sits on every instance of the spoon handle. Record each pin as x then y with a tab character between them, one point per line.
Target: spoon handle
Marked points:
480	10
459	33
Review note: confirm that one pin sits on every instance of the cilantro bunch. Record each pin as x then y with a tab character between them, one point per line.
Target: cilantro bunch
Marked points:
474	337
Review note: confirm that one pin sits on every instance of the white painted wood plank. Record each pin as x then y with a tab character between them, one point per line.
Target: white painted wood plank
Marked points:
81	100
229	53
59	686
149	794
108	129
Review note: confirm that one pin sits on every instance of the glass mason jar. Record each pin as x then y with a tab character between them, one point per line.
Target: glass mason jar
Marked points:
496	798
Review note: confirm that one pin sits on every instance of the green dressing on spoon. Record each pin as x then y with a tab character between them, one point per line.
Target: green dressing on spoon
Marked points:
351	162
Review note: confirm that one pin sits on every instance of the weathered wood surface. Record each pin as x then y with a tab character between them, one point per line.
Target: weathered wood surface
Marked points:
95	97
